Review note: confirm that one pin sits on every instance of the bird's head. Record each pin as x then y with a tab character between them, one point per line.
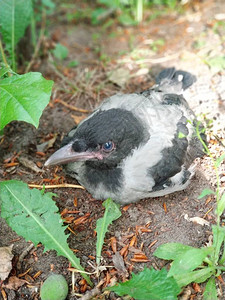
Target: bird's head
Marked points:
103	140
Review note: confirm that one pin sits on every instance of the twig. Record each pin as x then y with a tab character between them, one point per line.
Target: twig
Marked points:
38	45
72	107
23	254
90	294
54	186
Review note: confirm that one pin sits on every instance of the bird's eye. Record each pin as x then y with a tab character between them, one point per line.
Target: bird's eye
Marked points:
108	146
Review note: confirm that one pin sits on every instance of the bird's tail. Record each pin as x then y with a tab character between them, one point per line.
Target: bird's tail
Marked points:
170	80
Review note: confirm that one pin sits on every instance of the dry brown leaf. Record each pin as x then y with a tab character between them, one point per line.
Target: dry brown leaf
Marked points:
119	76
119	263
197	220
5	261
14	283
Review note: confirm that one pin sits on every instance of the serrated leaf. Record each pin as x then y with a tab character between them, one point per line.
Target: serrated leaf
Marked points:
210	292
219	160
194	276
112	212
188	261
171	250
149	284
218	238
206	192
221	205
34	215
15	16
23	98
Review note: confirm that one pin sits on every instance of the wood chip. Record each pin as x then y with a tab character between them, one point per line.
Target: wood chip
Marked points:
164	207
113	244
133	241
82	220
152	244
196	287
125	208
140	257
124	250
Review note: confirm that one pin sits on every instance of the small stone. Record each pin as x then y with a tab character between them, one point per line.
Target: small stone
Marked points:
222	179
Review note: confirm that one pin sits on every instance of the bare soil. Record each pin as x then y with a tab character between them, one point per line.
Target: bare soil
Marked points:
189	39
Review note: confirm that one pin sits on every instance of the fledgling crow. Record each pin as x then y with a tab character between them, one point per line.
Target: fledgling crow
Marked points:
135	146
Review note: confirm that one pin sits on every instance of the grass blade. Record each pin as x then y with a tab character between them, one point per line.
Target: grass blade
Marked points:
112	212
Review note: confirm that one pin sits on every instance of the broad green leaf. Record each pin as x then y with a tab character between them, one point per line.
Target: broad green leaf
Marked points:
220	159
218	238
34	215
171	250
210	292
60	51
15	16
149	284
112	212
221	205
206	192
194	276
23	98
188	261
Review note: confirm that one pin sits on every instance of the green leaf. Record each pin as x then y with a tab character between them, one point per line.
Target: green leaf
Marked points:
60	51
4	70
219	160
206	192
221	205
210	292
218	238
35	216
181	135
149	284
217	63
15	16
126	19
194	276
171	250
188	261
23	98
112	212
73	63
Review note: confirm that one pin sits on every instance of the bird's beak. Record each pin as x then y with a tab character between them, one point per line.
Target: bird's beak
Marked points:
66	155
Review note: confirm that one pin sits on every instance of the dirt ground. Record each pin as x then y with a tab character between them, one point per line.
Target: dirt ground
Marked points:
188	40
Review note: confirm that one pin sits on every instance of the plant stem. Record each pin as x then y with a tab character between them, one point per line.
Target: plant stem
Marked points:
38	45
13	37
4	58
216	170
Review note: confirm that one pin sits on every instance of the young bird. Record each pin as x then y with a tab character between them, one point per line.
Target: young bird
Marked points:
135	146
